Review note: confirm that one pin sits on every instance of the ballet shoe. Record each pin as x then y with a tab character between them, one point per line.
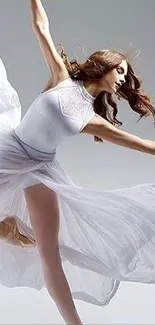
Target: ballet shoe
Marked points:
10	233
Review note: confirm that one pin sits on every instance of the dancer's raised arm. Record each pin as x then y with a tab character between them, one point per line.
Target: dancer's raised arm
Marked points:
40	25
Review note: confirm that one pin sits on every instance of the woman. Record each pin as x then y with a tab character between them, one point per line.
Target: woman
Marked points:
87	241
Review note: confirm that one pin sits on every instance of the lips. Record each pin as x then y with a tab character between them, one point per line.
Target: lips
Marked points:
117	84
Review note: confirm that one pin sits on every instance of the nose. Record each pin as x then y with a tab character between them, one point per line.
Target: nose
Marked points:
122	81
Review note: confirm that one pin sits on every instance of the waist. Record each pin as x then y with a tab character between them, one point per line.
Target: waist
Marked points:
35	154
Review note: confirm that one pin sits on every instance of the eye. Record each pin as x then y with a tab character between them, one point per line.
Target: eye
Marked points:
120	70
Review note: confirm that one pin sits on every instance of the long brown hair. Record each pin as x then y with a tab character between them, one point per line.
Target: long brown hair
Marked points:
94	68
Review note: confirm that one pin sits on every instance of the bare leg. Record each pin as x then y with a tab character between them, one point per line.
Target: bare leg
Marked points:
58	288
44	213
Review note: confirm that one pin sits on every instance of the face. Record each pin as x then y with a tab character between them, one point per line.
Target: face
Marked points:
115	78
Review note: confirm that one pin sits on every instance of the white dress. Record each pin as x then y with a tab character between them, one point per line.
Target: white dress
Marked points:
105	236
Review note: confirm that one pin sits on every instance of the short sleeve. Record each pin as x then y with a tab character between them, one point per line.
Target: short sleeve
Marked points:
90	114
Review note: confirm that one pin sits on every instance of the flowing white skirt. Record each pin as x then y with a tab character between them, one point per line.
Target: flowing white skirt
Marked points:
105	236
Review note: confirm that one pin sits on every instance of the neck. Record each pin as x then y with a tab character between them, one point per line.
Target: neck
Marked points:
91	87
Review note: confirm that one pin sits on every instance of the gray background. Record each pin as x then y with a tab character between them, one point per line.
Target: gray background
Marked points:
83	27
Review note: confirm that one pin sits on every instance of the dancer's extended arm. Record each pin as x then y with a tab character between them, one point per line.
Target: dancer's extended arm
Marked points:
101	128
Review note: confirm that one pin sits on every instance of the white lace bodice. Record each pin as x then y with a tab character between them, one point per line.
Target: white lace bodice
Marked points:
74	100
55	114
